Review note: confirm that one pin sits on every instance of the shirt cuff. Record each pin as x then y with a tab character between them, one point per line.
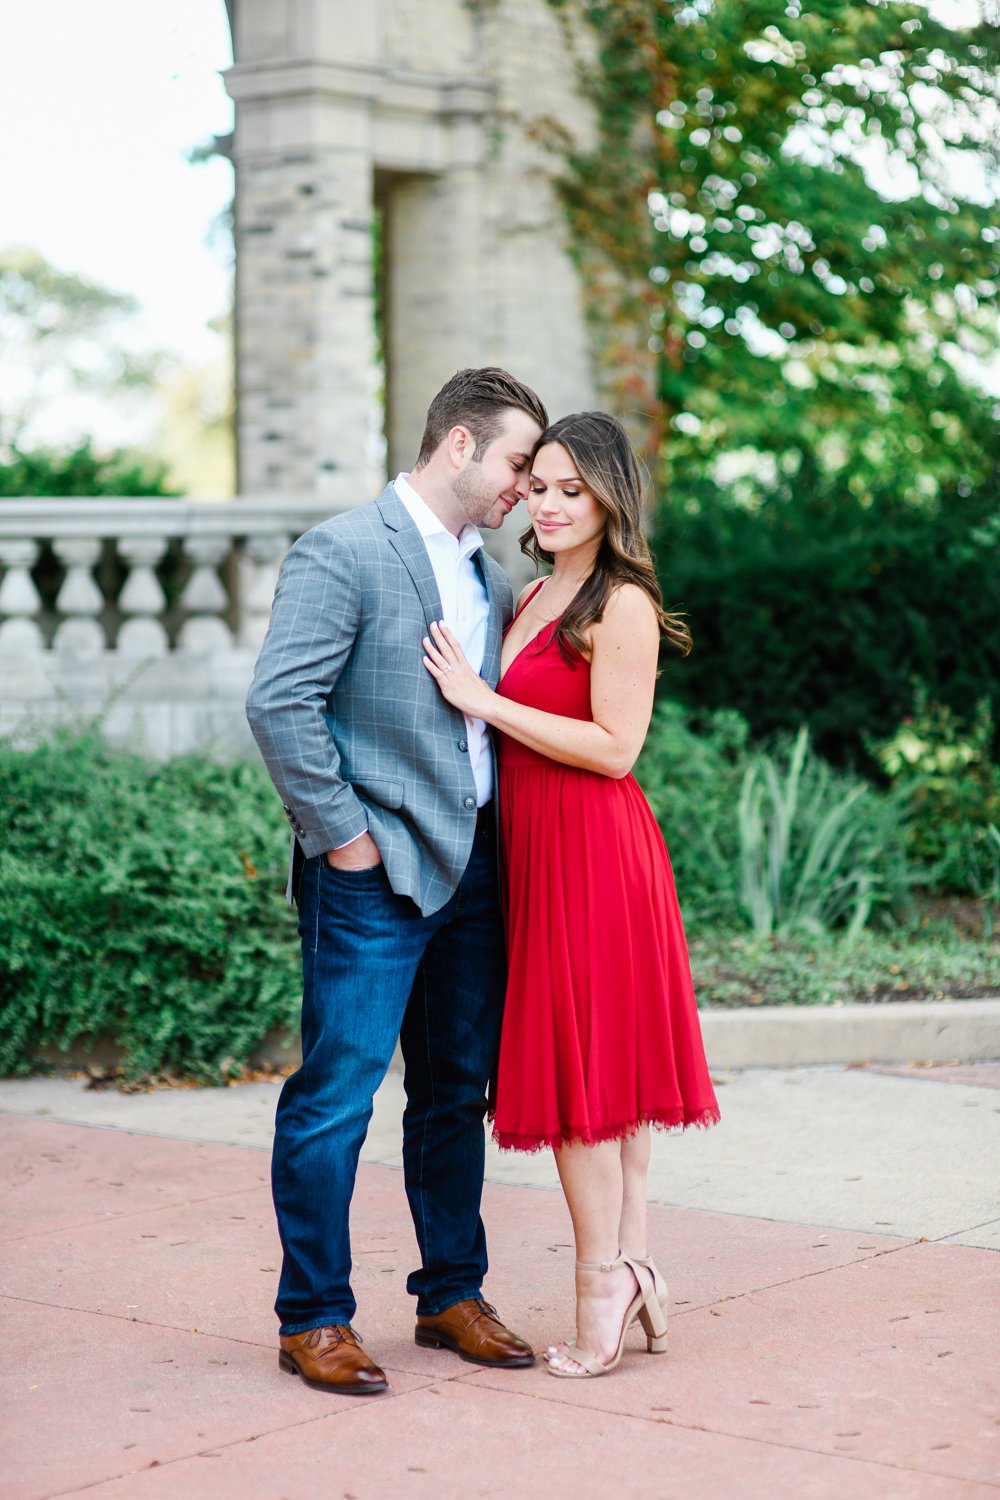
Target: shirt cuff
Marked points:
354	840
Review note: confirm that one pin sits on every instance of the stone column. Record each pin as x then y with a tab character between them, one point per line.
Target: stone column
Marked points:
438	97
303	81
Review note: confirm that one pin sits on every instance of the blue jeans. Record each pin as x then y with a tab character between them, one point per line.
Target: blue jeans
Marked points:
373	970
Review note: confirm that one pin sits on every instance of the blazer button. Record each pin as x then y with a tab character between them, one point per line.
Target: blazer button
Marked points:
463	744
470	803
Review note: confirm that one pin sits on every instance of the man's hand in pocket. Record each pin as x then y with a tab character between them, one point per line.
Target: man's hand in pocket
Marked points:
362	854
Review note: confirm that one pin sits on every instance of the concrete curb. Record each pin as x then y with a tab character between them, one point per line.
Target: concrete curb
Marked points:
765	1036
785	1036
788	1036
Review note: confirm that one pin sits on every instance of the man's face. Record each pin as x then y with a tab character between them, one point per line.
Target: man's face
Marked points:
487	489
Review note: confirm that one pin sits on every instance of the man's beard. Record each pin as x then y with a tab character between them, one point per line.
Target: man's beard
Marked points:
477	501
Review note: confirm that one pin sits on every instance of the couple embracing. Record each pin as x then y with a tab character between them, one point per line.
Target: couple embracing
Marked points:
478	876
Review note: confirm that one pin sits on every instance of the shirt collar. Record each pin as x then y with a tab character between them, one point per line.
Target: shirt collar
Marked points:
468	541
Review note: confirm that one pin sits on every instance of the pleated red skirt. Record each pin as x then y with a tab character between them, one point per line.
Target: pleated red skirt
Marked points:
600	1032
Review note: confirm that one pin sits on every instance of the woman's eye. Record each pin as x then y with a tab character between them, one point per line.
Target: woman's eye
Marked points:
571	494
538	489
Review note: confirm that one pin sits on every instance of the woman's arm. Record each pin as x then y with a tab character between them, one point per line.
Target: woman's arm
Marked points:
624	651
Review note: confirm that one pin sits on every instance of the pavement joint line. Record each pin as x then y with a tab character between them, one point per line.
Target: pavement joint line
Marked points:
158	1135
98	1312
858	1458
939	1239
773	1286
461	1374
747	1437
205	1333
735	1213
139	1213
218	1448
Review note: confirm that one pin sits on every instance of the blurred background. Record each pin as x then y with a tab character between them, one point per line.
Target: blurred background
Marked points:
242	244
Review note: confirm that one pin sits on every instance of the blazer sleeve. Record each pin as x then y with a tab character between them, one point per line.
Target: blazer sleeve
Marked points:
314	620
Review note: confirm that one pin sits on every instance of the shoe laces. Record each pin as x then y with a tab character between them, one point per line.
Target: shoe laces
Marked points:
338	1336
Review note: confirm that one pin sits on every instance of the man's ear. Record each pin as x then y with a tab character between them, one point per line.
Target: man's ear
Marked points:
461	446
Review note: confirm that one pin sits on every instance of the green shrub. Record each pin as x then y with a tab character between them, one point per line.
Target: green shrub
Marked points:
142	900
802	847
941	768
692	782
811	843
80	472
819	610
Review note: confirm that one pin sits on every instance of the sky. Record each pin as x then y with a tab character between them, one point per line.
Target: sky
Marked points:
100	102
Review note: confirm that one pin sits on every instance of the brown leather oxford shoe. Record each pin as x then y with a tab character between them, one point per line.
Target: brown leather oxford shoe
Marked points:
474	1332
331	1359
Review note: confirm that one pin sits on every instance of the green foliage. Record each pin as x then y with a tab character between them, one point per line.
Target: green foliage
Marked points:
825	611
692	782
144	901
950	791
82	472
786	229
926	962
781	849
807	857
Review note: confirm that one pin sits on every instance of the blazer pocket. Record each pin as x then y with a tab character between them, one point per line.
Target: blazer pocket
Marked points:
380	791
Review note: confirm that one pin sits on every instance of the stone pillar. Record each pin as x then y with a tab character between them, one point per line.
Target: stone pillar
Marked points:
308	417
437	97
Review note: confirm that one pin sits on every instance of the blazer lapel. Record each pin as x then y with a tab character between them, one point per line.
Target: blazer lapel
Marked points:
491	651
409	544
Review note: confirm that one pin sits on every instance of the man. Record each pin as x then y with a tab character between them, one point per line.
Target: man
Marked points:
389	791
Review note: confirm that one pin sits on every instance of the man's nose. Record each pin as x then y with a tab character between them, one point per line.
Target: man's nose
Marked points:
522	484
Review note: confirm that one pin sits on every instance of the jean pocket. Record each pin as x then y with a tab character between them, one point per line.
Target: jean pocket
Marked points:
365	875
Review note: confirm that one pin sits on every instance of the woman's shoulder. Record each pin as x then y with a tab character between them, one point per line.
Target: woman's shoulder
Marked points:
526	593
629	607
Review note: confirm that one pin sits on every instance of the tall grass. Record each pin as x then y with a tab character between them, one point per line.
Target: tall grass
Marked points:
808	861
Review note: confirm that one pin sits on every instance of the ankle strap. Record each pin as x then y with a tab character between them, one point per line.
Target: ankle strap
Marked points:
600	1265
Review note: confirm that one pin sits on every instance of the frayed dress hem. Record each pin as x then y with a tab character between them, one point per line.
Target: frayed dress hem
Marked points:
670	1120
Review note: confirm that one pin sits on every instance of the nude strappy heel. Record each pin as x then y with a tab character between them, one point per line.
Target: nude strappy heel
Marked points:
644	1306
659	1280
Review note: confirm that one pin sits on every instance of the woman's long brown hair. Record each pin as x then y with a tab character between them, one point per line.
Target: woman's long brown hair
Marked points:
599	446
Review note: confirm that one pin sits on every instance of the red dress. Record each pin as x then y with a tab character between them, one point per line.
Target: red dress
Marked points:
600	1030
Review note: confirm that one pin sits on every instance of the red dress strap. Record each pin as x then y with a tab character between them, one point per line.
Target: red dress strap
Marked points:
527	601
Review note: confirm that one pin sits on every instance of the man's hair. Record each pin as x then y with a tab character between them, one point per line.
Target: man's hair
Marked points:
477	399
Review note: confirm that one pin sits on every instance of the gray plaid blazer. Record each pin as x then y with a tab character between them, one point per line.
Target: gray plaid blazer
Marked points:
352	727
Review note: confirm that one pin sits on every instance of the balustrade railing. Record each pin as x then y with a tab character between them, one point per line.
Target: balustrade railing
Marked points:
142	615
141	577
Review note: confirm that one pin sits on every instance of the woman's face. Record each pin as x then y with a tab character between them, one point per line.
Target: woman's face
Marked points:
564	512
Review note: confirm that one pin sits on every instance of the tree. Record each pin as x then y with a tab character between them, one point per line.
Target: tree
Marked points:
61	334
784	228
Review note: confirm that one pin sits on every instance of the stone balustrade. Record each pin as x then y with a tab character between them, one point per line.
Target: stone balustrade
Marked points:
144	615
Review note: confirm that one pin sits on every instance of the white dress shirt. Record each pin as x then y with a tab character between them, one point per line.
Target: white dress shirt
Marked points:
465	608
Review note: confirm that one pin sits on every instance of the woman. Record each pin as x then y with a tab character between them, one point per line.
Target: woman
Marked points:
600	1034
